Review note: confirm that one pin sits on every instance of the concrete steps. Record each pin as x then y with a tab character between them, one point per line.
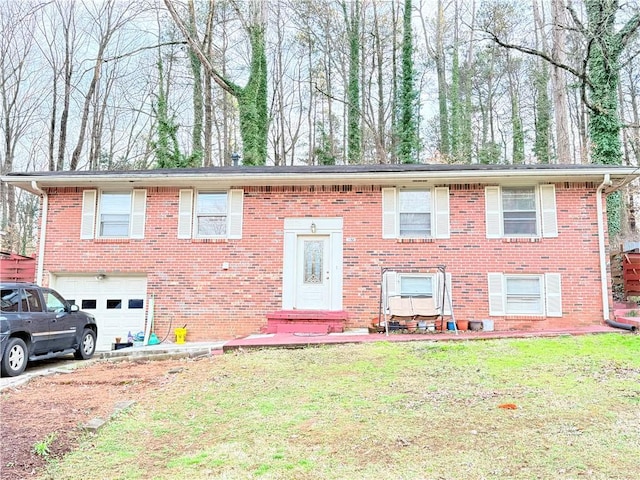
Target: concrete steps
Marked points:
306	321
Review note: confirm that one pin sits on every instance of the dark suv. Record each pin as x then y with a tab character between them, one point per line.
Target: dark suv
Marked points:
36	323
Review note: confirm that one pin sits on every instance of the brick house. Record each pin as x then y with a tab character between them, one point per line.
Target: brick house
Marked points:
224	250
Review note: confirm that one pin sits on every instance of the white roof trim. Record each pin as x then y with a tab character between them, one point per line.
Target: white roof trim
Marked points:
230	178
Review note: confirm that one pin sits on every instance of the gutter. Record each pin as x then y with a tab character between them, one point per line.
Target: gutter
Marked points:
606	182
43	230
230	177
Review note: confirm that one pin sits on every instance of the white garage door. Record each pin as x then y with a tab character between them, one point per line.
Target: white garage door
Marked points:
118	303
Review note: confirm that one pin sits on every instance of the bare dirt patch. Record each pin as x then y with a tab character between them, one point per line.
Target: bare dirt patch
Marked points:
56	407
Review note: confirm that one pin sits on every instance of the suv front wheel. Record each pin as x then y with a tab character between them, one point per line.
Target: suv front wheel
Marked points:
14	359
87	345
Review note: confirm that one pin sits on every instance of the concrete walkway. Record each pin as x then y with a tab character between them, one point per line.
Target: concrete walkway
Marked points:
293	340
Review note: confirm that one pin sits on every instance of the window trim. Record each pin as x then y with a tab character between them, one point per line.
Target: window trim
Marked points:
431	276
536	208
550	294
439	213
91	218
102	205
546	212
538	296
401	212
187	213
197	216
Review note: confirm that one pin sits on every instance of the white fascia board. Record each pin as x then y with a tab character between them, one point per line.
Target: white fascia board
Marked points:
212	179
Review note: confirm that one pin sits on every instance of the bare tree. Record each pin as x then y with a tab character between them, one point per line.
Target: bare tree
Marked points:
19	100
252	98
109	18
559	80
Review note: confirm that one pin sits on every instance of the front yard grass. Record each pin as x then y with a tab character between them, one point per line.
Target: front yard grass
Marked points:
520	409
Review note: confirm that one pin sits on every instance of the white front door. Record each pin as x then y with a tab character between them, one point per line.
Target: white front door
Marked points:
312	263
313	272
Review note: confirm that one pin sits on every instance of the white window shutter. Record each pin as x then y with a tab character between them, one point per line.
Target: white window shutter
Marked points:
493	212
138	209
236	199
548	210
553	294
441	204
389	213
389	286
444	300
185	212
496	297
88	223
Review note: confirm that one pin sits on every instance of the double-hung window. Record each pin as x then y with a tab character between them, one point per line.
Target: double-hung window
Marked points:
210	214
521	211
113	214
525	294
412	213
414	219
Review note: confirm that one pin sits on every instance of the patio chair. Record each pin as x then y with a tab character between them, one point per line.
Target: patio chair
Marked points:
401	314
426	313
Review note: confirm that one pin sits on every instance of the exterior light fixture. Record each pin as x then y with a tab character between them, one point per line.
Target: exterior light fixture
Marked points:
313	227
101	276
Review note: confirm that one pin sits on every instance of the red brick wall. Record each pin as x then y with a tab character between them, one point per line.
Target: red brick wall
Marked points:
192	288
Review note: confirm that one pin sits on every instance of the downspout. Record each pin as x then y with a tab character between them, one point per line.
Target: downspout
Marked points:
603	254
43	230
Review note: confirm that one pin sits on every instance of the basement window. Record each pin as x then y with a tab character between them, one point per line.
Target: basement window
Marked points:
416	285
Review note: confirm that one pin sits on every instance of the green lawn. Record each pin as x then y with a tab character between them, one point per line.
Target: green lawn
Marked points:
420	410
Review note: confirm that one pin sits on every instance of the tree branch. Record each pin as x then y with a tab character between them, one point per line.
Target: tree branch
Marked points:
629	29
141	49
194	44
582	76
537	53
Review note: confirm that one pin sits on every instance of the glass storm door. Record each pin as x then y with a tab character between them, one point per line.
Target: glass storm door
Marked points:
313	265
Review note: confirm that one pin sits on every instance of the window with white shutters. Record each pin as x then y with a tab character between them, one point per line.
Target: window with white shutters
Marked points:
521	211
410	213
525	294
210	214
113	214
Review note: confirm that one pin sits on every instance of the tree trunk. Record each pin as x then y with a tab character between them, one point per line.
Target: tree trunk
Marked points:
198	106
252	98
466	94
442	82
542	108
52	123
559	82
380	136
68	28
516	122
408	134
